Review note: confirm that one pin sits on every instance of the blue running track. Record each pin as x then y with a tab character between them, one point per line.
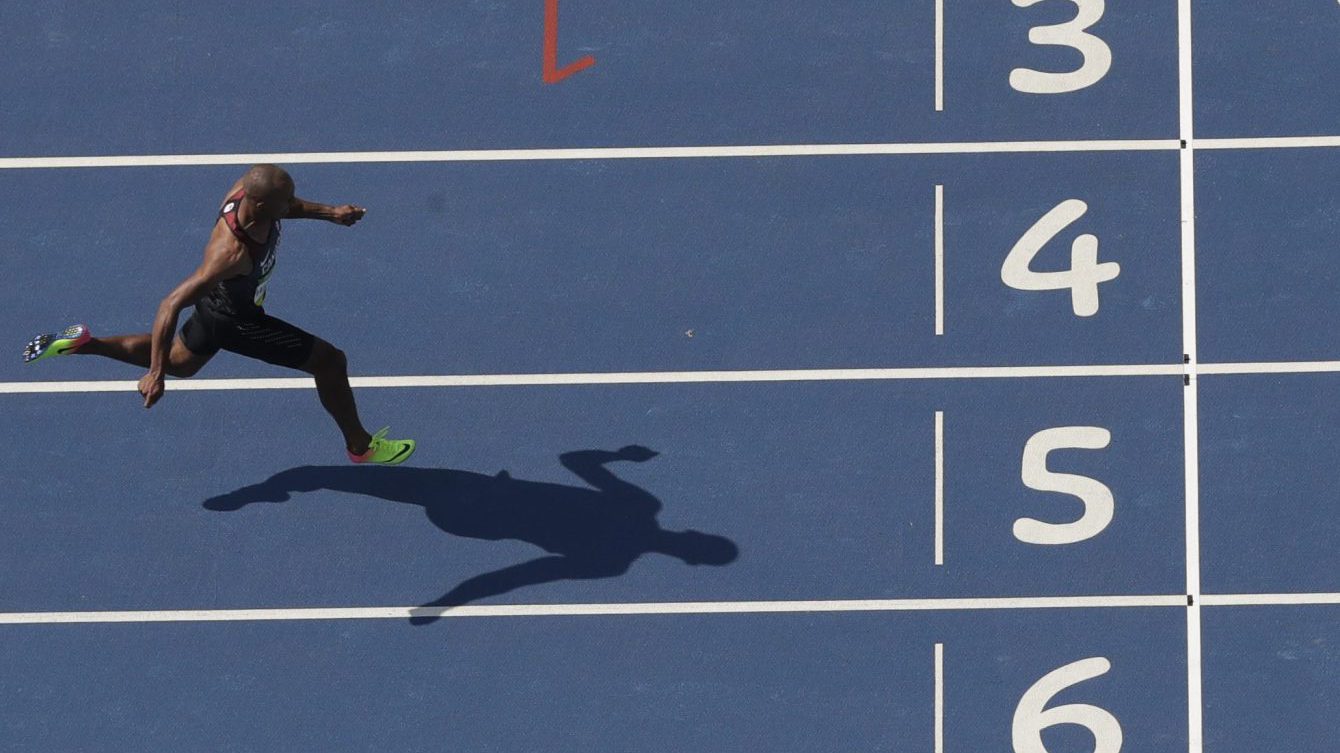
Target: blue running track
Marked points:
846	439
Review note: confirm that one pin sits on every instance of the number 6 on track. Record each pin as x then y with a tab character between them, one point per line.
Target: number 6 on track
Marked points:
1085	273
1031	715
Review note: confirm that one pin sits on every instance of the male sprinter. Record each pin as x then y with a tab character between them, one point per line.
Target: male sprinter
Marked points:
227	291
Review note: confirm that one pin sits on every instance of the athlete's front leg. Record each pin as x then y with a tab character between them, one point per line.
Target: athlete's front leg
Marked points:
331	371
330	368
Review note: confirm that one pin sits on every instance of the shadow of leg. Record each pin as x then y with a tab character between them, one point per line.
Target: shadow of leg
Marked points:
498	582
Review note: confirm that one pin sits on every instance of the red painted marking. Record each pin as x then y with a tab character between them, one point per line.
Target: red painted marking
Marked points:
552	73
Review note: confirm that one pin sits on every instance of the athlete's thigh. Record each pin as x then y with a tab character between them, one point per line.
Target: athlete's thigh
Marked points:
194	345
185	362
269	339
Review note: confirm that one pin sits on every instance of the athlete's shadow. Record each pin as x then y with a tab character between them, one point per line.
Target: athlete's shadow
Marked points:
589	532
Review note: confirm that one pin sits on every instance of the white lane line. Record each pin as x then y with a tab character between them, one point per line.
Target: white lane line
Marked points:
700	377
939	55
652	152
1195	711
738	607
1280	142
659	152
939	698
657	377
1190	413
1267	600
939	487
1269	367
579	610
939	260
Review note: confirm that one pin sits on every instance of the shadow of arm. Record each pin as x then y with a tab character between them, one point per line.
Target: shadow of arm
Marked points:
589	466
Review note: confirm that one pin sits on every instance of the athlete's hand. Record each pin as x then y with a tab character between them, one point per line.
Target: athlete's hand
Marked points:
151	387
348	214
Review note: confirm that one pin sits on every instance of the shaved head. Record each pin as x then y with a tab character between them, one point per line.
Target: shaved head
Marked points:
268	183
270	189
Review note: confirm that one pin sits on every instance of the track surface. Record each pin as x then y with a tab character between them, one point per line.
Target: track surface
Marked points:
432	606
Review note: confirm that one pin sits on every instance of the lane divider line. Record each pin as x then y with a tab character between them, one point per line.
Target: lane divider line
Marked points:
697	377
580	610
597	153
651	377
664	152
671	608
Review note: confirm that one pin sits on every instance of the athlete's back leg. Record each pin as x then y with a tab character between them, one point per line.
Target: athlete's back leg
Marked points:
135	350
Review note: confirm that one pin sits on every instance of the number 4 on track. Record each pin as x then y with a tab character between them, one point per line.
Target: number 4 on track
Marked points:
1085	273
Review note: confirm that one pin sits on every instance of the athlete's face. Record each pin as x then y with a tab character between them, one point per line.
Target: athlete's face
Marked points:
276	206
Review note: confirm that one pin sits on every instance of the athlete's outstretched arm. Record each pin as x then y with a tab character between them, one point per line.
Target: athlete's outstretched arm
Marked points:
346	214
224	257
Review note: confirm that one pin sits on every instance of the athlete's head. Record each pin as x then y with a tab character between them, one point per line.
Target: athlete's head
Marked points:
270	190
698	548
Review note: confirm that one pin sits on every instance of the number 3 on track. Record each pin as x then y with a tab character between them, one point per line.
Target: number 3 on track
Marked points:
1072	34
1085	273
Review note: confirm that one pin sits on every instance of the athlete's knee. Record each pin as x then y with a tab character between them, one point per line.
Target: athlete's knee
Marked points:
183	362
184	370
327	359
338	362
185	366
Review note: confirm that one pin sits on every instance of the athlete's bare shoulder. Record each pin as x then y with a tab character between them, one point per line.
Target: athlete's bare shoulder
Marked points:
237	185
226	251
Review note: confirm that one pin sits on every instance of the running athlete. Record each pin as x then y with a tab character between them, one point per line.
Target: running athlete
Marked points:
228	291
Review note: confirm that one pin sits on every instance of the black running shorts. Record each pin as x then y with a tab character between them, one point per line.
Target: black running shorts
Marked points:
264	338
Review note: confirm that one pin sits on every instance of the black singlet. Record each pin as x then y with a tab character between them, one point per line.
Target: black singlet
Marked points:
230	316
243	296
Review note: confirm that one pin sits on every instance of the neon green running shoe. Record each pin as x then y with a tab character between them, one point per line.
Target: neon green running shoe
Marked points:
45	346
385	451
